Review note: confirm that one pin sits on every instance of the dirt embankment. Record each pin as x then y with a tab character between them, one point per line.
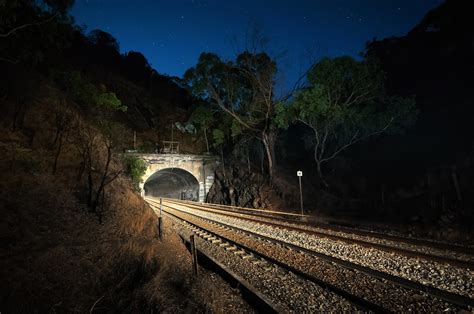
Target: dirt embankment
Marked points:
57	257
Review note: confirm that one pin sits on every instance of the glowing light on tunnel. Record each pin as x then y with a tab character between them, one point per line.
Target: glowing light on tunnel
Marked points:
172	183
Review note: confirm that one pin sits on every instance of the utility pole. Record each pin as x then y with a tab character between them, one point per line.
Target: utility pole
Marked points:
300	174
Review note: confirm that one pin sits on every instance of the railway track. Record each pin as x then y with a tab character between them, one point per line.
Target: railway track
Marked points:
307	221
361	286
267	274
457	255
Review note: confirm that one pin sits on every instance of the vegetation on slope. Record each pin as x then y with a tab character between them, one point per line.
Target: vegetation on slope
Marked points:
75	235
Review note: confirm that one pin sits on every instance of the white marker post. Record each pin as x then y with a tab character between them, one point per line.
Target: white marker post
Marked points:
300	174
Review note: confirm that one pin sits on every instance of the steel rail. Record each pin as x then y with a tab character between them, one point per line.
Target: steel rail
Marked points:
384	247
263	302
357	301
303	220
454	298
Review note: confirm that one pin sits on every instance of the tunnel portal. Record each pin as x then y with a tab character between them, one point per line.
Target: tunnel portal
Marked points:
172	183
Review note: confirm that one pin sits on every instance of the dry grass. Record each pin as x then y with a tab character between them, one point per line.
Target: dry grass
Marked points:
56	257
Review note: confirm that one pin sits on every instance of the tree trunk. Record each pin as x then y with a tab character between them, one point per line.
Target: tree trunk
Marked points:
320	174
456	184
207	142
18	116
102	181
248	160
58	152
101	210
269	142
90	187
223	164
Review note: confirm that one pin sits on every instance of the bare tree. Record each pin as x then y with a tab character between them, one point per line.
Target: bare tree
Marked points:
96	150
63	119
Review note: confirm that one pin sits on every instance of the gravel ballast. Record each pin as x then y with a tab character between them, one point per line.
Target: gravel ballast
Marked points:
443	276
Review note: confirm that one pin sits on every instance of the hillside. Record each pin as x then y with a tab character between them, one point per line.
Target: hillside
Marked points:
70	104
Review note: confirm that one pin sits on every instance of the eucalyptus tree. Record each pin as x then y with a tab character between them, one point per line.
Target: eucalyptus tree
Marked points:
243	89
203	118
344	103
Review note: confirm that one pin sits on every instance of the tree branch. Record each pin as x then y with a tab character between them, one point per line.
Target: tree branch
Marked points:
216	97
354	139
9	60
297	86
16	29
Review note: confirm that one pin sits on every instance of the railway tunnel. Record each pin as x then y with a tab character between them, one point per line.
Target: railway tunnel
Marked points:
174	183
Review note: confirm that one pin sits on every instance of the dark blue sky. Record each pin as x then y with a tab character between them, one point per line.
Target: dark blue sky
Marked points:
171	34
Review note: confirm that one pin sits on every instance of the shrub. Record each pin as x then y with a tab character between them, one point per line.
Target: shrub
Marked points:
135	168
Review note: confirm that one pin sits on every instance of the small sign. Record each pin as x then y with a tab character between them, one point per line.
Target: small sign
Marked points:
299	173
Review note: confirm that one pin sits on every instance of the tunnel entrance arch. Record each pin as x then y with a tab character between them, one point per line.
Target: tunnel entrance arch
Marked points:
201	167
174	183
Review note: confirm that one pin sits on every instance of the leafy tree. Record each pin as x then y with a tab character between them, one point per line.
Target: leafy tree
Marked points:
242	89
104	49
136	67
218	136
97	151
109	101
18	15
135	168
203	118
103	39
344	104
86	93
29	29
96	148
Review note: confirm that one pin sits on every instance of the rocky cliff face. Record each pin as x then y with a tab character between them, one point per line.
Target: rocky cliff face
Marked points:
239	185
235	185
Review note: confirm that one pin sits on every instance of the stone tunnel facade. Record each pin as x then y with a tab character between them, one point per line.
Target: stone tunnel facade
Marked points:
180	168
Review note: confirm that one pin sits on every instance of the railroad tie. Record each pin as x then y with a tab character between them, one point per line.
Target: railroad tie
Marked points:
267	267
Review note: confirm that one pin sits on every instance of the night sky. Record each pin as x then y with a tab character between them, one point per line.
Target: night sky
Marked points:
172	34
